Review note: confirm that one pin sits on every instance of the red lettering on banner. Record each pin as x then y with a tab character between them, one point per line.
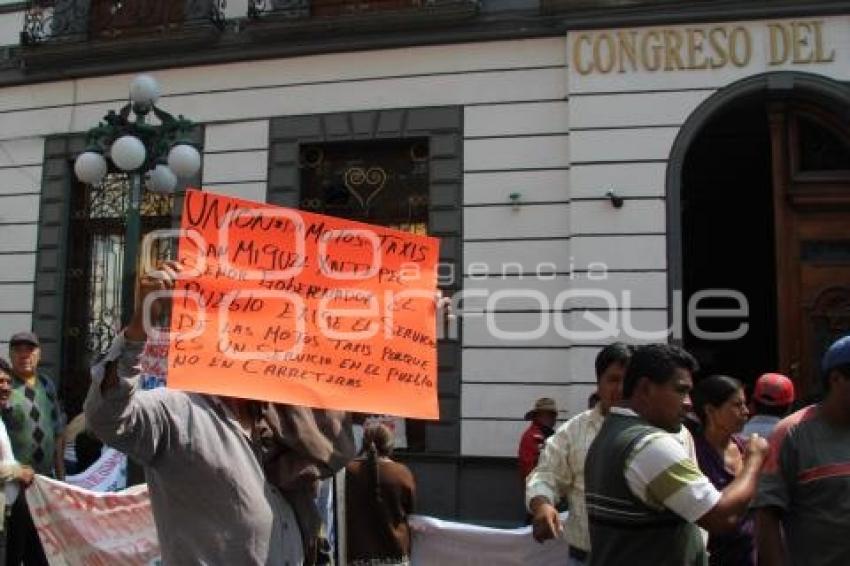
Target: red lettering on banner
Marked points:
93	529
51	543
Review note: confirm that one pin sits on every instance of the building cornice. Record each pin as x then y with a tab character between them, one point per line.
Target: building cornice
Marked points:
246	40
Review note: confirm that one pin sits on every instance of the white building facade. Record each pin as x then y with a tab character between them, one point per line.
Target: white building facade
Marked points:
537	121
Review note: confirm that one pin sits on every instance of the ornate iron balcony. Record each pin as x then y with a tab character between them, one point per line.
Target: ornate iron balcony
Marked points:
298	9
87	20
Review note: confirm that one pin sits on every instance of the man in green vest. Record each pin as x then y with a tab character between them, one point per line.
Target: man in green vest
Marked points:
35	420
645	495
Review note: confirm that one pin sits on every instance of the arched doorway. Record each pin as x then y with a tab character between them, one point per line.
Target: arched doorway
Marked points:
759	202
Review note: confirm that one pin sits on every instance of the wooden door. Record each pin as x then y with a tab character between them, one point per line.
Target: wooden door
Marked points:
824	307
811	178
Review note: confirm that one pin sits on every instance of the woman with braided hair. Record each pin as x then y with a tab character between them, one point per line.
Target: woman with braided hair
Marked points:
379	496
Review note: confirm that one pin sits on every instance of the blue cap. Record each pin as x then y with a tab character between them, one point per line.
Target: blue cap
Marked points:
837	355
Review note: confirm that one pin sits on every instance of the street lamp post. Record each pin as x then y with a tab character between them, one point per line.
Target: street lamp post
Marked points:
153	155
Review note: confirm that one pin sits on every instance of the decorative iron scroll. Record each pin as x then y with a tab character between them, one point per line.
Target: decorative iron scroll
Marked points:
831	314
381	182
96	262
109	200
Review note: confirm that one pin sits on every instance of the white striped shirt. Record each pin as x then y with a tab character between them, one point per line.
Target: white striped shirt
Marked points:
661	473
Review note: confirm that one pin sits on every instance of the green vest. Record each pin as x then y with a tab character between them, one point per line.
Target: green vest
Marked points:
623	529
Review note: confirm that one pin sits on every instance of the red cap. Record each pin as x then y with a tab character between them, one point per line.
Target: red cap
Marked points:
774	389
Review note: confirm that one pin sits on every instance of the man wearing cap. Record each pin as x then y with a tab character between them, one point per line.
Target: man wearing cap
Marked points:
772	397
803	499
35	421
542	416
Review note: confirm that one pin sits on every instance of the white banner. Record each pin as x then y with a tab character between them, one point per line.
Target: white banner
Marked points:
84	528
438	543
108	473
78	527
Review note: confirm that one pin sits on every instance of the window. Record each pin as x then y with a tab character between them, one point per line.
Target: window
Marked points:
378	182
821	148
113	18
94	271
427	145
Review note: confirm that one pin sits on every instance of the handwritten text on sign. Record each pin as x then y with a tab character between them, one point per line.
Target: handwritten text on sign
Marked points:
294	307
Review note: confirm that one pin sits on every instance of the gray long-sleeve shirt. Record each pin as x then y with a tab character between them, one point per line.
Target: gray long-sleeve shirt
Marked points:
210	500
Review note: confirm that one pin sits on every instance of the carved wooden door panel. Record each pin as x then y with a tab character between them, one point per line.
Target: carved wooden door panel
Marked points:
811	180
824	250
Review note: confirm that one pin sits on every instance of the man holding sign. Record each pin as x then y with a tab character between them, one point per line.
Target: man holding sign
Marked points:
210	499
291	310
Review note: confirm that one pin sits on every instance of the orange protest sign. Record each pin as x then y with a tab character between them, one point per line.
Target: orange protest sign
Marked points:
294	307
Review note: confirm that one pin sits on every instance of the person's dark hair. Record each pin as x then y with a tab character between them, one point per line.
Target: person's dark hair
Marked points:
770	410
616	353
88	449
658	363
6	367
377	442
714	390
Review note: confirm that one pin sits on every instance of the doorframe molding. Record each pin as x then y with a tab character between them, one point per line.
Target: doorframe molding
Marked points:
829	93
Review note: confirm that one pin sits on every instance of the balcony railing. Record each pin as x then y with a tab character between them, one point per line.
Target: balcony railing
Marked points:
87	20
558	6
340	9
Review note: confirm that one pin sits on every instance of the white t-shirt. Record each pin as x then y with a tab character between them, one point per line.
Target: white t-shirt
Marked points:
11	488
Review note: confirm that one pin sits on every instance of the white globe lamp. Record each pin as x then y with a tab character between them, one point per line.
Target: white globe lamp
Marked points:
90	167
128	153
162	179
184	160
144	90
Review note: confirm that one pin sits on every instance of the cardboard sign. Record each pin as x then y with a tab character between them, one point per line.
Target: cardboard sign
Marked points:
294	307
83	528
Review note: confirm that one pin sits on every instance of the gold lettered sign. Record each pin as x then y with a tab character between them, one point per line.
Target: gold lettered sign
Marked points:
693	48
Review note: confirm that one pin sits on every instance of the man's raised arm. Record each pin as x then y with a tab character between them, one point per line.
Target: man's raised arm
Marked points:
120	416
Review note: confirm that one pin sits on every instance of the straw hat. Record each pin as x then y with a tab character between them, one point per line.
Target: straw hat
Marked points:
542	405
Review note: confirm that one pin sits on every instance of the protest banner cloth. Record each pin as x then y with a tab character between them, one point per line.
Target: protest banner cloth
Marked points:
153	363
78	527
108	473
82	528
438	543
294	307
